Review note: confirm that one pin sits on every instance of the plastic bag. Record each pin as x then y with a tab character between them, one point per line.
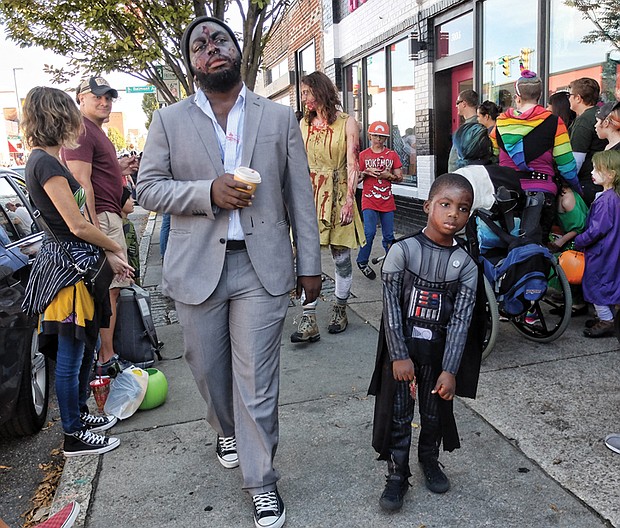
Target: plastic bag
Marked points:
127	391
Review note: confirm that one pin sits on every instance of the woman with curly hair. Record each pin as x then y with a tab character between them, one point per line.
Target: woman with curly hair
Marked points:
70	313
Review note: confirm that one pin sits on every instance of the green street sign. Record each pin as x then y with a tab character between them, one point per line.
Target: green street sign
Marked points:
140	89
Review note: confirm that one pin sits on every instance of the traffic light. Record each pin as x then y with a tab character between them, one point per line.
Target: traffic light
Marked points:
524	58
505	64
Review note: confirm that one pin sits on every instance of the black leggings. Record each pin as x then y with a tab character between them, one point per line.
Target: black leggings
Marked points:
430	430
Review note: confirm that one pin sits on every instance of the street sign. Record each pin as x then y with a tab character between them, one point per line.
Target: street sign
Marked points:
140	89
165	73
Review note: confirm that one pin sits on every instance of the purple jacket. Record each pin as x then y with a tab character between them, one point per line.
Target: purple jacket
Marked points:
601	245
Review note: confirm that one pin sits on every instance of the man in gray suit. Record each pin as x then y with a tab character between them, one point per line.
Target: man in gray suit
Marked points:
229	261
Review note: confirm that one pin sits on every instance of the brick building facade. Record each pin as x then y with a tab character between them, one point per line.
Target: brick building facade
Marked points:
405	61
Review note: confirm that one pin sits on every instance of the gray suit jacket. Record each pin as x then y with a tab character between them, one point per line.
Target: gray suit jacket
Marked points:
180	161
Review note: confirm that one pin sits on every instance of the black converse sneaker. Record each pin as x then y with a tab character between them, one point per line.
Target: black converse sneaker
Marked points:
226	449
395	488
97	423
85	442
436	479
367	271
269	511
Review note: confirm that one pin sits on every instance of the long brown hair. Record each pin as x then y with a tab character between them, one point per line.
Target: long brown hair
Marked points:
326	96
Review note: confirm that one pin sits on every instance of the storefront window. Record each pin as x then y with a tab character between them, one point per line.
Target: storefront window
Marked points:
376	96
455	36
403	109
509	42
353	94
570	58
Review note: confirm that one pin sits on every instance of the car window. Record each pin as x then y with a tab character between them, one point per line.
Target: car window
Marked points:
17	226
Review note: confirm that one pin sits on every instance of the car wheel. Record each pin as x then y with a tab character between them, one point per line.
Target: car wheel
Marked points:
31	408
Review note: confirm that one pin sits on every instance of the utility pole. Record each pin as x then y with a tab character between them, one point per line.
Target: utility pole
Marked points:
19	103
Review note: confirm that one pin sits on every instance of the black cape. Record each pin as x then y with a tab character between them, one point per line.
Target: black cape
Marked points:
383	385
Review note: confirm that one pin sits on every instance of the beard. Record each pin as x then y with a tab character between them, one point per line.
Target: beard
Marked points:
220	81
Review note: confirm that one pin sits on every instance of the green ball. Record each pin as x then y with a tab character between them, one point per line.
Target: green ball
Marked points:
156	391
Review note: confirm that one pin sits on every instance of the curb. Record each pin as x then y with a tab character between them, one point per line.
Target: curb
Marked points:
79	474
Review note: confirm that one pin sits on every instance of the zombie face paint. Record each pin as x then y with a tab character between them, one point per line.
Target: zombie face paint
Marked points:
307	98
214	57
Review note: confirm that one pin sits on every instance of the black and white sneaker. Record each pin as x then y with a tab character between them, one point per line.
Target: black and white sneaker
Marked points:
269	511
97	423
226	449
85	442
367	271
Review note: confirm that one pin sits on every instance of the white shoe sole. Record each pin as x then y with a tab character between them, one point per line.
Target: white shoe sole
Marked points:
228	464
276	524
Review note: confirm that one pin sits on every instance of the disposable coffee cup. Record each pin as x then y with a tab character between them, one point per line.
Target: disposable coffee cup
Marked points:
101	389
248	177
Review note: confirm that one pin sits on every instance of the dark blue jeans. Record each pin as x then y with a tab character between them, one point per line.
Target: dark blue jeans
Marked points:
73	368
370	230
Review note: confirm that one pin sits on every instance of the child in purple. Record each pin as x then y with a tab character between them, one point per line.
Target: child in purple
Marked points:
601	244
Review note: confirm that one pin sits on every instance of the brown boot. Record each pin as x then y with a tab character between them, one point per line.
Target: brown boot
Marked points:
307	331
338	322
600	329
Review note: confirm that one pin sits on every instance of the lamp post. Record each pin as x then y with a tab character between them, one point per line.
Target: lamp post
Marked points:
19	104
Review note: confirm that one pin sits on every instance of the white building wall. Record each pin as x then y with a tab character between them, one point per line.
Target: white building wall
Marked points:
372	20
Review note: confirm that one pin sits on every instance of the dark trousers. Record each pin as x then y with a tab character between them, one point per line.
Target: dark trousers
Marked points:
430	430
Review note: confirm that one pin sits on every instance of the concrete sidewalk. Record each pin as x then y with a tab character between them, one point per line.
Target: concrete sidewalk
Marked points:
532	452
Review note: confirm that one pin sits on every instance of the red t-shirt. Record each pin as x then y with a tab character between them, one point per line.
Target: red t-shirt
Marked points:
376	193
107	179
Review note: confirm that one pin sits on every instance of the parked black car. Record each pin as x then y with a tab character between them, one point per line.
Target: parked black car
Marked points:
24	371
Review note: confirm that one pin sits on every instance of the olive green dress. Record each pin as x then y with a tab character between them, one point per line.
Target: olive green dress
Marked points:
327	158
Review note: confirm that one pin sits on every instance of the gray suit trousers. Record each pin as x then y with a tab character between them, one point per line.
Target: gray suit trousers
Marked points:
232	345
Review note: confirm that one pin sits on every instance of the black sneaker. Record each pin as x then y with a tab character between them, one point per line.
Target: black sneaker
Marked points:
85	442
394	492
226	450
97	423
436	480
368	272
269	511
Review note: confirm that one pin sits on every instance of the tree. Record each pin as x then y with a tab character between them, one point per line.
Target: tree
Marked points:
149	105
116	138
134	37
605	15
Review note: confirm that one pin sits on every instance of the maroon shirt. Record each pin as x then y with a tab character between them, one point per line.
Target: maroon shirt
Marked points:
106	178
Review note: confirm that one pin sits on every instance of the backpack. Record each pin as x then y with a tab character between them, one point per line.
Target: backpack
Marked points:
520	277
135	338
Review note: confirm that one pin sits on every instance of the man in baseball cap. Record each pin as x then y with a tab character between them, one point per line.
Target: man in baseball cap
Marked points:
96	85
95	165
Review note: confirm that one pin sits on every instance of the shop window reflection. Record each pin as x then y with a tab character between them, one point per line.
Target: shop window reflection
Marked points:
509	44
570	58
403	109
376	97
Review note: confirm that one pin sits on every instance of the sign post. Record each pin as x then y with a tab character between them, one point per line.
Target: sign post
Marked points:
167	75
